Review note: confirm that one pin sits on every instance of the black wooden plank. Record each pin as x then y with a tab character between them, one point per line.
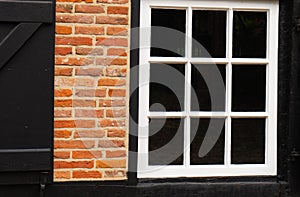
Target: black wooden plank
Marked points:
26	11
15	40
25	160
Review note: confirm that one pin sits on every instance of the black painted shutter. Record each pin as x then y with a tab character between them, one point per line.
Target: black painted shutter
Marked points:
26	90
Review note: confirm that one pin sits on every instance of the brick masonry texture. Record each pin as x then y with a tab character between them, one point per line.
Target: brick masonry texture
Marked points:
91	90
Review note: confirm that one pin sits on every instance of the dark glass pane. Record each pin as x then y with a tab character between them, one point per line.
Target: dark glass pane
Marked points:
212	147
248	88
203	77
166	141
248	141
167	87
168	35
249	34
209	30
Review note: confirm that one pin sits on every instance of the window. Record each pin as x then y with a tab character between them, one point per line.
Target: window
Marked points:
208	88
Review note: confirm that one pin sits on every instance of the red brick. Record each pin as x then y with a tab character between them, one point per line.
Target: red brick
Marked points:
113	1
112	41
89	134
72	144
115	113
111	163
114	20
62	133
63	103
64	124
89	9
78	40
63	71
61	155
111	82
86	174
63	50
111	143
86	154
117	10
63	29
115	154
73	164
111	123
62	92
69	18
73	61
117	92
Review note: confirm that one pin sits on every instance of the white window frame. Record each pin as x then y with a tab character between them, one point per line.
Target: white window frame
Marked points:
228	169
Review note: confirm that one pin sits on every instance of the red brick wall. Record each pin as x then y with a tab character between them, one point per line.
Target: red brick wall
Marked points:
91	80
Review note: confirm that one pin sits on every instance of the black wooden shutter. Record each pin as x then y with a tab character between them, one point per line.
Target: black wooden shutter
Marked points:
26	90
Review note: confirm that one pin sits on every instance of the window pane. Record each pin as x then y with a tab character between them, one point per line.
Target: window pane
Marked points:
248	88
209	30
167	87
170	40
249	34
215	138
201	96
166	142
248	141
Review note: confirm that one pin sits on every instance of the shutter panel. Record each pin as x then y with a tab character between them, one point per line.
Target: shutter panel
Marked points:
26	90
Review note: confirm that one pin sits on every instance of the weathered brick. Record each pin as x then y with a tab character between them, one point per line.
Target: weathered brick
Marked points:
64	81
89	113
63	103
111	123
116	133
63	113
114	173
89	72
64	8
113	1
89	134
115	113
111	143
112	20
87	82
89	30
111	103
116	52
116	72
112	41
89	51
115	154
62	174
91	92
